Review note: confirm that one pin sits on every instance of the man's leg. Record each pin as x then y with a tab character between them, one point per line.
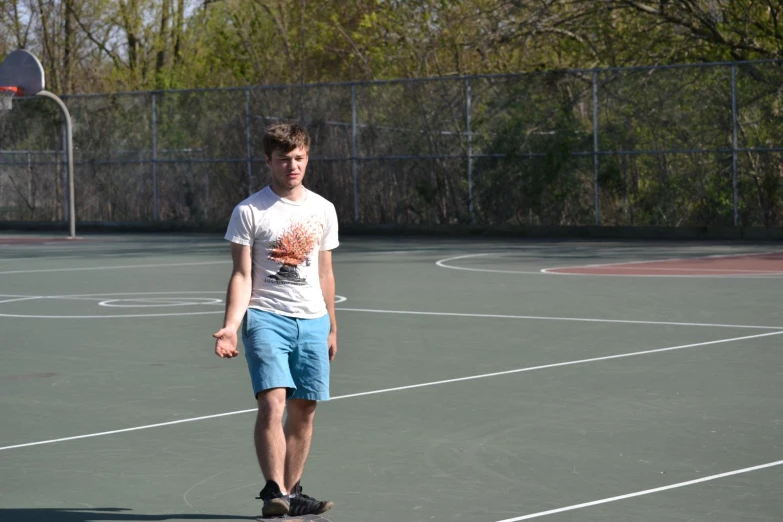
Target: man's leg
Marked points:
267	339
310	370
298	435
269	436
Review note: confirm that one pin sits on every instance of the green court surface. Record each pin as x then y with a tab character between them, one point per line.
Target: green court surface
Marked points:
469	385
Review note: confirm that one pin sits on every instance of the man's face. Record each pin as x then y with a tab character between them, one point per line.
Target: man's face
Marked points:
288	168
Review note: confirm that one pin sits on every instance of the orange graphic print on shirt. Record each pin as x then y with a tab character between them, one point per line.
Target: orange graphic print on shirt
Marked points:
292	249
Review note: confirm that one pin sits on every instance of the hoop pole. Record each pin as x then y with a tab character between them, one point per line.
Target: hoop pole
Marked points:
69	149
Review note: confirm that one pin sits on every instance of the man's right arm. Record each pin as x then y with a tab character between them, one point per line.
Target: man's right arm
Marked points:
237	300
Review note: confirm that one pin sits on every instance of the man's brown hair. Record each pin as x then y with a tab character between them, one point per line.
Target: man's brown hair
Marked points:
285	137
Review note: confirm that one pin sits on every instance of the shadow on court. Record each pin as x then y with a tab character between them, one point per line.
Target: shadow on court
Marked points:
102	515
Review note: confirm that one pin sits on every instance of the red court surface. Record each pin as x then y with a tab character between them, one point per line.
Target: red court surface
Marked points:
770	263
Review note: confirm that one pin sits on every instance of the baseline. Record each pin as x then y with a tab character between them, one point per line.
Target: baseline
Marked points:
547	318
409	387
107	300
115	267
644	492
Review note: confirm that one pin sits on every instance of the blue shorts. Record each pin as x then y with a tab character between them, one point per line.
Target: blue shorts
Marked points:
287	352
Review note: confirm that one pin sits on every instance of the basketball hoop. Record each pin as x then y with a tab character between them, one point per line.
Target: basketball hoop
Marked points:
6	96
21	74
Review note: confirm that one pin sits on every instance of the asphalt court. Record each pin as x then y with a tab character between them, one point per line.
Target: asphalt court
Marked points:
469	384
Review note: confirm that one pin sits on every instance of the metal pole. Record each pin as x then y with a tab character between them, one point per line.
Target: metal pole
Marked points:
248	144
595	148
354	161
734	141
64	169
30	179
69	154
206	195
154	160
470	148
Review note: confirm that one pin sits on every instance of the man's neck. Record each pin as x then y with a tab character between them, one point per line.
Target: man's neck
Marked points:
295	194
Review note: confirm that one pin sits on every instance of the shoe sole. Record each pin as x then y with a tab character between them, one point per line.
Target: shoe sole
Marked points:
276	507
297	518
328	504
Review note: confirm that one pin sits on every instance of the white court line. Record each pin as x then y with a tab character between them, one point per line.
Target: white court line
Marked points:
91	255
548	271
409	387
114	316
22	298
442	263
695	258
98	297
670	260
341	299
746	274
116	267
735	270
398	312
645	492
545	318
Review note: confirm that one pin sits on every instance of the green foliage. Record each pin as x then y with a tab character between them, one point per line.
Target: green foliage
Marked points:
531	136
539	180
143	44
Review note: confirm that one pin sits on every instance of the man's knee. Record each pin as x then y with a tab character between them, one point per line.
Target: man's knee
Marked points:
301	410
271	404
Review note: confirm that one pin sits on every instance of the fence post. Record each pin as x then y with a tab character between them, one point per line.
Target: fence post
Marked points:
469	138
595	149
249	143
30	176
734	141
64	169
154	160
206	195
354	160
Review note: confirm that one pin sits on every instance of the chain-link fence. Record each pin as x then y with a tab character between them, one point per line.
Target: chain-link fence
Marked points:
690	145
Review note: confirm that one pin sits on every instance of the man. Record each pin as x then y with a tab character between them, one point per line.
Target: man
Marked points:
282	292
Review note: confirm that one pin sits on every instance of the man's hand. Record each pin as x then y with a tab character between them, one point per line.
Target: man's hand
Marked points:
226	344
332	342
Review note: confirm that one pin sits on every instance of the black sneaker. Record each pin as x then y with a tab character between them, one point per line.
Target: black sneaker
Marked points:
275	503
301	504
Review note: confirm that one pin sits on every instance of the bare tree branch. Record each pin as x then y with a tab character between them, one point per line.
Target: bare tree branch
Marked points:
91	37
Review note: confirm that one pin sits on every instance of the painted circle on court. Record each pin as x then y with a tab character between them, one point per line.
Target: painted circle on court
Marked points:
196	301
447	263
158	302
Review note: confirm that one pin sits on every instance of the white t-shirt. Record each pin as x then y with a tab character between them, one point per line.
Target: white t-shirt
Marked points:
286	237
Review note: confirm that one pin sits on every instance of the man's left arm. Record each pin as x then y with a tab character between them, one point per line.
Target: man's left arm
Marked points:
326	278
